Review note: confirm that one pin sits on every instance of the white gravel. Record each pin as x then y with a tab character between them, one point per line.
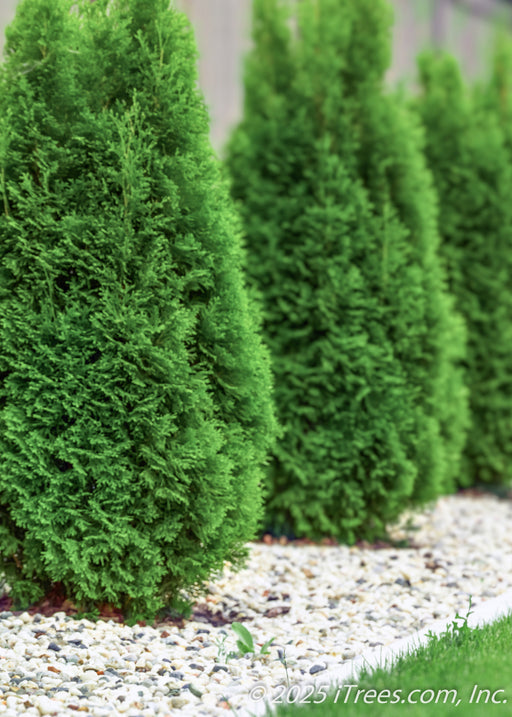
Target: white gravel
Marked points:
324	605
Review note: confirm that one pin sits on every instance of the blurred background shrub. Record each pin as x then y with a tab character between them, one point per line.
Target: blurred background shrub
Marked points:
463	27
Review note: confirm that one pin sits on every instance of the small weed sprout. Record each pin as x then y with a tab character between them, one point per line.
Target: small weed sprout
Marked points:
281	656
245	641
460	631
222	655
457	631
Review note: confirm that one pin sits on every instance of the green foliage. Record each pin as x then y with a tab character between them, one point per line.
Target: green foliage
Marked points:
222	654
458	632
467	152
281	657
245	641
340	220
245	644
135	409
496	93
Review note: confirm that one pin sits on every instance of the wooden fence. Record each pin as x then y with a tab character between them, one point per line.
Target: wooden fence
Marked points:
222	27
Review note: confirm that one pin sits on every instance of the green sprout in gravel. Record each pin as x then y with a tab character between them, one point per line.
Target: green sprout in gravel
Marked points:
458	633
281	656
220	642
245	642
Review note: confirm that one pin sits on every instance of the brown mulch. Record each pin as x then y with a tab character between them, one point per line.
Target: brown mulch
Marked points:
56	601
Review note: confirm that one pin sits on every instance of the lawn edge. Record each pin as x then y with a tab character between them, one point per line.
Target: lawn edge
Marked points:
484	613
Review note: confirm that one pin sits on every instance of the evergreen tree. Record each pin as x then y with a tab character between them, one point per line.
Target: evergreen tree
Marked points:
391	163
340	221
466	150
135	408
495	95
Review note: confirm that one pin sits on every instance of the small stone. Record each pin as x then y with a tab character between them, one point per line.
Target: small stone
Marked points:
123	706
54	646
47	706
38	631
111	671
219	668
403	583
194	691
317	668
101	711
90	676
178	702
209	700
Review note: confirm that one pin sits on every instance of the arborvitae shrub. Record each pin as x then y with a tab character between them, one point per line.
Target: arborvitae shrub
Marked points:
135	409
495	94
339	214
467	153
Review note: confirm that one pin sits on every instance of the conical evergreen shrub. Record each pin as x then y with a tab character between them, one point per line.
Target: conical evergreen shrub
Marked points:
135	407
340	220
466	150
495	94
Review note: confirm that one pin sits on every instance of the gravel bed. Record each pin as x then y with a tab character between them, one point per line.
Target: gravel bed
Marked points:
324	605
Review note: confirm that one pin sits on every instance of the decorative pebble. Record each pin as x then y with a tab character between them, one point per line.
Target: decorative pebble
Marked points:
317	668
47	706
323	604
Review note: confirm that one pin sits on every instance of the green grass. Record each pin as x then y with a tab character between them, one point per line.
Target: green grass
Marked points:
463	669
